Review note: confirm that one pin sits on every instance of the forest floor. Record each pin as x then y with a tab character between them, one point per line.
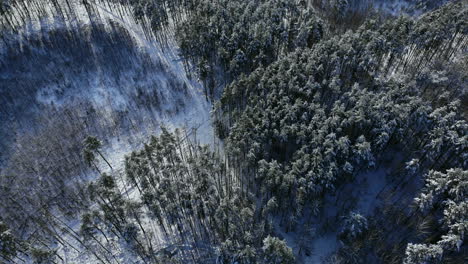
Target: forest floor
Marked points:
193	113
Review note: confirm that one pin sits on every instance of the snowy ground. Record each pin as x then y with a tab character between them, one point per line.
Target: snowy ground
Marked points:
197	113
361	196
108	95
124	122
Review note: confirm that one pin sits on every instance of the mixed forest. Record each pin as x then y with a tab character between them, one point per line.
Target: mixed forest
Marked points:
233	131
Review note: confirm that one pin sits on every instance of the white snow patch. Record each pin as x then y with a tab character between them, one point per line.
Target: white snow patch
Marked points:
195	114
370	184
322	247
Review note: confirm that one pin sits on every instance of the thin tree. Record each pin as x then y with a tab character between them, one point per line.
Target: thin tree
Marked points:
92	146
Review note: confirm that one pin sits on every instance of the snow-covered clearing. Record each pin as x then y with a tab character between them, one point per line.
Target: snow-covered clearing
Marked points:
126	116
110	95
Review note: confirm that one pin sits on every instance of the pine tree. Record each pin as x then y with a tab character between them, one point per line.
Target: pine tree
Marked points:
277	252
354	225
8	243
92	145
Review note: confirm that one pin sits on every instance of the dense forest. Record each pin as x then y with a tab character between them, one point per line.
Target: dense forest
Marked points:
233	131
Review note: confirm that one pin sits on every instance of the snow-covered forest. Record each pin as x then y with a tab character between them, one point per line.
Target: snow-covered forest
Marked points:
233	131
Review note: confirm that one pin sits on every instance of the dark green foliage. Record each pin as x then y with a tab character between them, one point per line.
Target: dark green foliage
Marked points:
277	252
306	109
313	120
449	191
325	112
241	36
8	243
42	256
187	191
354	225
